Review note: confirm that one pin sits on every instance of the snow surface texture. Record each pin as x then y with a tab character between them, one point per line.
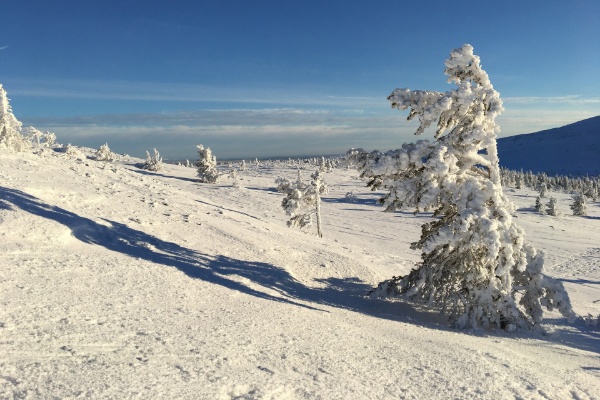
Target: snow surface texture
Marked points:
573	149
116	282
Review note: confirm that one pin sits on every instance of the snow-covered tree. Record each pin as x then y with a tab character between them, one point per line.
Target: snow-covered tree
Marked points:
235	182
74	152
104	154
303	200
539	206
519	181
207	165
10	127
552	208
475	264
33	135
579	205
543	189
153	162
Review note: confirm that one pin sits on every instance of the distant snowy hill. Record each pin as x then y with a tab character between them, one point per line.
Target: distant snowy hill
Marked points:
571	149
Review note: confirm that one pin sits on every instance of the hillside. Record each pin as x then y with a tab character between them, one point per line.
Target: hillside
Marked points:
572	149
116	282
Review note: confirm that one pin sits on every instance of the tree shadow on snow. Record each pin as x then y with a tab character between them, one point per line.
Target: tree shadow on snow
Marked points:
255	278
153	173
358	201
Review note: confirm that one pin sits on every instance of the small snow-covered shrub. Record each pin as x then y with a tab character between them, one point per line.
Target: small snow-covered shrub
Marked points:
235	182
74	152
552	208
153	162
303	200
351	197
207	165
579	205
543	189
539	206
104	154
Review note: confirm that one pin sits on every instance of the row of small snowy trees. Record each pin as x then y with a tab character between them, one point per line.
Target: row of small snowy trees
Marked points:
578	206
475	264
587	185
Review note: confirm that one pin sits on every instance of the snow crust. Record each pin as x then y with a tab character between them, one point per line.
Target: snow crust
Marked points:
117	282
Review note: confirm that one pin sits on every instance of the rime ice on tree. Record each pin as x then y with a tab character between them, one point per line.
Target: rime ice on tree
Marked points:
303	200
476	266
10	127
104	154
207	165
153	162
579	205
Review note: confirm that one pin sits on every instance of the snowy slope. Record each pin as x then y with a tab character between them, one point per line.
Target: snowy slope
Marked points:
121	283
570	149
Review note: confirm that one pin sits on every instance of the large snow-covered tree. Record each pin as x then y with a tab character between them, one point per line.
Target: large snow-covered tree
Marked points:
10	127
475	265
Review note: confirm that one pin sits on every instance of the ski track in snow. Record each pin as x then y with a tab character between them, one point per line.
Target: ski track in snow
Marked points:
121	283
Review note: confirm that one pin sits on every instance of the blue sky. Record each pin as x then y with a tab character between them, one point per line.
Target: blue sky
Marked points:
276	78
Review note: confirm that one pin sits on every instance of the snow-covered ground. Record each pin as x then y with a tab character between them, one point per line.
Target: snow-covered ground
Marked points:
116	282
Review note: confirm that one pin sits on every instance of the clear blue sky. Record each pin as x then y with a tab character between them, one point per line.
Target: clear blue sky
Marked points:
267	78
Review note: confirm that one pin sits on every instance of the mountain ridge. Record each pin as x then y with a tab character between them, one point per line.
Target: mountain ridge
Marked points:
573	149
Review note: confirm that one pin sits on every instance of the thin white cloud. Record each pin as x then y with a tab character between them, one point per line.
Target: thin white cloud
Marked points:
178	92
3	47
569	99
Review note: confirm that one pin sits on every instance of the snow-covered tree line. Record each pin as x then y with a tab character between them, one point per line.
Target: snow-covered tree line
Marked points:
475	264
588	185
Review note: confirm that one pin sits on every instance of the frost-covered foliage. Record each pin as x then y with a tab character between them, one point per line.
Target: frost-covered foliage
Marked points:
351	197
588	185
153	162
104	154
74	152
235	181
476	266
543	189
207	165
579	206
552	207
39	138
10	127
539	205
303	200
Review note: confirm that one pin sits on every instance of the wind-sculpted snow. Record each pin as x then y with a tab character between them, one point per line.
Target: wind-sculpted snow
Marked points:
118	282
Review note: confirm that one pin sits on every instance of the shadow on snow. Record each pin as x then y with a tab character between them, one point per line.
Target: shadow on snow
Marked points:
347	293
